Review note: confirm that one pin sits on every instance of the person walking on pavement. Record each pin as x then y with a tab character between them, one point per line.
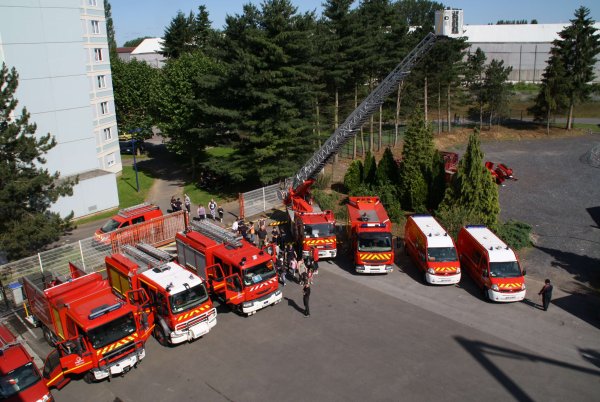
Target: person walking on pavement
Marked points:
546	293
306	298
212	207
201	212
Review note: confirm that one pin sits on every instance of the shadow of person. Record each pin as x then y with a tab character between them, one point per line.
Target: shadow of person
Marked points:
295	305
533	304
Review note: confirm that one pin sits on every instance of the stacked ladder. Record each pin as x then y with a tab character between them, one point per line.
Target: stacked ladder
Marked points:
216	233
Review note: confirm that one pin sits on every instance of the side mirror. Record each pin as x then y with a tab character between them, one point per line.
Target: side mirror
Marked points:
524	272
484	273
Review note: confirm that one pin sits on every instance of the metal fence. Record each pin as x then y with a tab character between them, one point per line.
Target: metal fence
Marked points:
89	253
263	199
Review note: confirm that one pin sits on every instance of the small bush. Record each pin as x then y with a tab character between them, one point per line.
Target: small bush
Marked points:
325	201
516	234
323	181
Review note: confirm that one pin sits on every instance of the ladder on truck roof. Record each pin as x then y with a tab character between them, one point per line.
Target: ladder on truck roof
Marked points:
151	257
359	116
216	233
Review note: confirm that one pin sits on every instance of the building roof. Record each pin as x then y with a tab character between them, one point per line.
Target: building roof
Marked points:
515	33
125	49
149	45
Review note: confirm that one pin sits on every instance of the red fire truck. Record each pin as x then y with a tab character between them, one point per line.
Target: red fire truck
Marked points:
370	235
239	273
127	217
95	332
311	227
180	307
20	379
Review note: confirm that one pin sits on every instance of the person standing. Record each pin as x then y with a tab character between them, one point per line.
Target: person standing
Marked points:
201	212
546	293
188	203
306	298
262	236
212	207
178	204
220	211
251	232
234	227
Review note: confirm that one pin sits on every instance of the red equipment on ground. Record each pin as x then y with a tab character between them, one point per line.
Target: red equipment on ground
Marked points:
500	172
95	332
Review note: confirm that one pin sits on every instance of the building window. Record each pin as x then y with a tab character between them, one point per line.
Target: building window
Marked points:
92	3
95	27
101	81
107	134
104	108
98	55
110	159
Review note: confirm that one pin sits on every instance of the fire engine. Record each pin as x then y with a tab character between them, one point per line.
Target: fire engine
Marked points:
95	333
431	250
311	227
493	266
296	192
180	307
20	379
127	217
238	272
370	235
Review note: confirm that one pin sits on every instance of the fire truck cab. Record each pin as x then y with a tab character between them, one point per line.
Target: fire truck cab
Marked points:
315	230
95	332
491	264
127	217
370	234
180	308
237	272
432	250
20	380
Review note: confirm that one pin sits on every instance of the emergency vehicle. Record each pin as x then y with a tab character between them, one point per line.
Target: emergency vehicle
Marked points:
95	333
127	217
180	307
370	235
238	272
20	380
493	266
311	227
432	250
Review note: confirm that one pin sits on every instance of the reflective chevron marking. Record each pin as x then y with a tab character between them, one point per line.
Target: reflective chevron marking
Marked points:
124	341
375	256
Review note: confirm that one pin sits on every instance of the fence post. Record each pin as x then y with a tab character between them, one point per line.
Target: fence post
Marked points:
264	200
40	260
81	253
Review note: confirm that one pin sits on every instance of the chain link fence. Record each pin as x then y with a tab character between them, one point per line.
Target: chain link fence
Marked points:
89	254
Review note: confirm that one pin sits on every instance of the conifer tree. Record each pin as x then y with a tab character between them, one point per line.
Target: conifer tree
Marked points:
551	97
387	169
354	175
178	37
27	190
110	31
369	170
473	193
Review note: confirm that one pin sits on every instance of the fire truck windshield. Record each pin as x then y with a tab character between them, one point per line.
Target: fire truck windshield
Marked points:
110	226
508	269
188	299
441	254
112	331
258	273
18	380
375	242
319	230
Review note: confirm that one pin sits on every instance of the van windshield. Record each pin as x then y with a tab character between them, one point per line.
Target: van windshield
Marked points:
375	242
258	274
441	254
110	226
319	230
18	380
188	299
508	269
112	331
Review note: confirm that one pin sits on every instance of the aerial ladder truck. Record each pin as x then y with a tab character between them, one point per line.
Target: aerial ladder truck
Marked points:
304	216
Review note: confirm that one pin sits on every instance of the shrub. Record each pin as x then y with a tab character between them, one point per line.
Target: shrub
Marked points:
323	181
516	234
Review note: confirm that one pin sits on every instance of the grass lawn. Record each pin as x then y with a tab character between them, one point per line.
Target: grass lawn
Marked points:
199	196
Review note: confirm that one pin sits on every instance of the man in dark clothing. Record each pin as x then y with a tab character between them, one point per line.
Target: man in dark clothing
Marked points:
306	297
262	236
546	293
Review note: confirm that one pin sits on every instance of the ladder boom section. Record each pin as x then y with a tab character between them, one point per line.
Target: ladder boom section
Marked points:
359	116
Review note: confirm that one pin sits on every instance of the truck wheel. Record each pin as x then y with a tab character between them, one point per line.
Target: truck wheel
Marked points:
89	377
159	335
486	295
48	336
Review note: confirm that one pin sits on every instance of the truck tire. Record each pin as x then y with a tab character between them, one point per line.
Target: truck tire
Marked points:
486	295
89	378
159	335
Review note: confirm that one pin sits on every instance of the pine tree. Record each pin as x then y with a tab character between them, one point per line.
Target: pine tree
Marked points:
474	80
27	190
551	98
387	169
369	170
577	48
354	175
496	88
110	31
178	37
473	193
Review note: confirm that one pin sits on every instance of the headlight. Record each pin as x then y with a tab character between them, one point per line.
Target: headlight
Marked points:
431	271
248	304
495	288
523	287
278	293
46	398
458	270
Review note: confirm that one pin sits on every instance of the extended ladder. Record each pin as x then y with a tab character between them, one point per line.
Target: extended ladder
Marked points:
216	233
359	116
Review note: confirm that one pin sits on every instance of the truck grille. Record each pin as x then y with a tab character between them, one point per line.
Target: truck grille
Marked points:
116	353
192	322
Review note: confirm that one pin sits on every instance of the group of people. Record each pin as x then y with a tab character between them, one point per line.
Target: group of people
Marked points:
215	212
177	204
253	232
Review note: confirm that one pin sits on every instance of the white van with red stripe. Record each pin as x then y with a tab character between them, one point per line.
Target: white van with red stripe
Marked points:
493	265
432	250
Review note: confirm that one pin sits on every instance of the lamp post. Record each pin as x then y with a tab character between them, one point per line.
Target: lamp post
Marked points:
137	182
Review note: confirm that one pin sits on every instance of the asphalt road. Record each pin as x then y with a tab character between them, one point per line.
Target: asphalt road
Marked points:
383	337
